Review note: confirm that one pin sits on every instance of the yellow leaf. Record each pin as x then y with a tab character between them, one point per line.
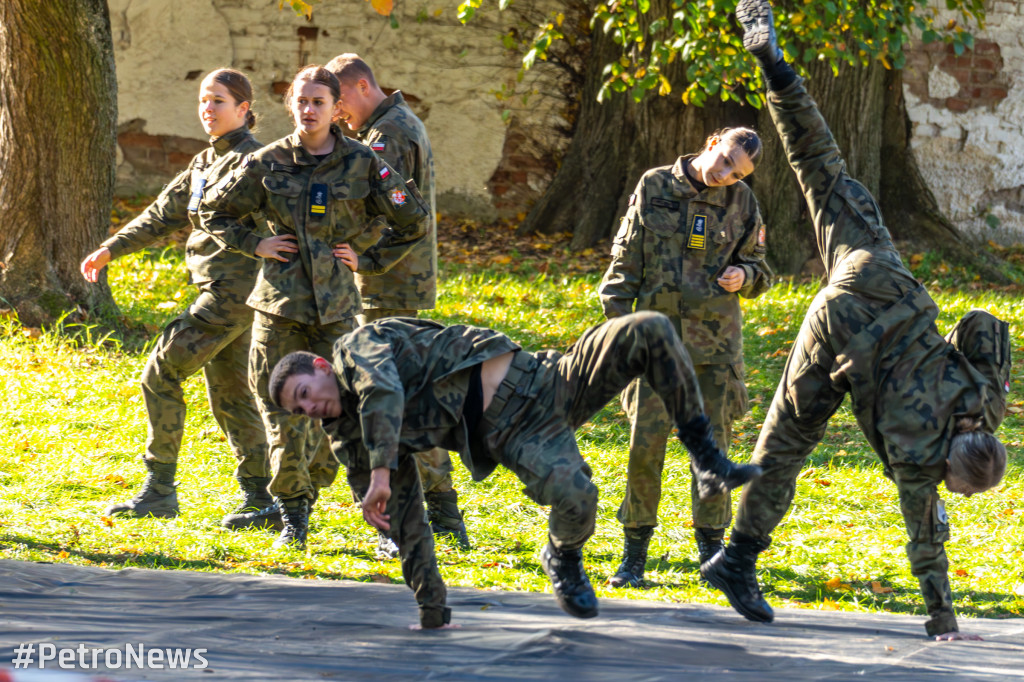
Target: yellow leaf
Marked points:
879	588
916	259
834	583
437	12
107	521
829	604
501	260
729	50
62	554
382	6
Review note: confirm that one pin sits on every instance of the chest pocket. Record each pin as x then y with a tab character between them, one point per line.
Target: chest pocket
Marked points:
283	196
662	216
350	194
282	185
722	229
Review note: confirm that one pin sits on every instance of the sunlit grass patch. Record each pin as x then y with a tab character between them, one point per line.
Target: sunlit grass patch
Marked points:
75	426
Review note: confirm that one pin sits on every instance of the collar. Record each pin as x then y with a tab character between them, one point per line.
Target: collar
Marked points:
392	100
225	143
716	196
302	157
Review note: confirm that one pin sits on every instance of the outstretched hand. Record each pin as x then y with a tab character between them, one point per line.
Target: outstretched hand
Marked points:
375	501
94	262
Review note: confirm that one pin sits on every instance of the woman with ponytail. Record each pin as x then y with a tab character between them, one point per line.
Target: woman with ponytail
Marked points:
213	333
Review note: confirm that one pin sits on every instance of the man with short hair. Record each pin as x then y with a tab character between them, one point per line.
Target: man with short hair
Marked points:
400	386
397	135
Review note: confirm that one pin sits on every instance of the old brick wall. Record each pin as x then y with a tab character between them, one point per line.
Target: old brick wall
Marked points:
968	125
448	72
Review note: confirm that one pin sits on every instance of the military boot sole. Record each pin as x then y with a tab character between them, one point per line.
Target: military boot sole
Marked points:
625	580
250	520
732	586
758	29
164	509
581	605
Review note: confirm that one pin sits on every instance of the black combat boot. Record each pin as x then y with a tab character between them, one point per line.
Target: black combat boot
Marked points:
295	515
634	557
386	547
709	542
268	517
714	472
569	581
255	498
446	518
158	497
759	39
732	571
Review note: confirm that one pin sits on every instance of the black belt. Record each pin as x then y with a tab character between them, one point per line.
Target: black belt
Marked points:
514	385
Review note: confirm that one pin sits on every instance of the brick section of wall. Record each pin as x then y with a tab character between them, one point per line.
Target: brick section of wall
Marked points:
979	73
155	155
524	172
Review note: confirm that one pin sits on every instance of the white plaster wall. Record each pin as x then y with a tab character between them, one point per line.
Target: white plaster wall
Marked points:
453	69
967	157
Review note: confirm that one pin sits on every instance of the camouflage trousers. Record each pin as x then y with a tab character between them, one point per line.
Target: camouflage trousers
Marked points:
300	454
212	334
530	425
435	465
725	400
412	534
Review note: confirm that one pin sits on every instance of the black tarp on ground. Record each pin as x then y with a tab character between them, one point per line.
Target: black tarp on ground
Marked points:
261	628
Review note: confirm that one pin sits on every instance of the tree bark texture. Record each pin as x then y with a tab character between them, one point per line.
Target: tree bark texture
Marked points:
58	115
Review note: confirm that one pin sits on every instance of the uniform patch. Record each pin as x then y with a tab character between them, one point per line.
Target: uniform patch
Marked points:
632	199
698	232
1006	387
318	200
760	237
666	203
384	173
398	197
197	194
377	146
940	512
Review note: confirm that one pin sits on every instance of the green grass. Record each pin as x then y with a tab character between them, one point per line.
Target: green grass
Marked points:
75	425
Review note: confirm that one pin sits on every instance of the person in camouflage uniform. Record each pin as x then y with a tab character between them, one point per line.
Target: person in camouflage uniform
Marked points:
928	405
400	386
691	242
212	334
390	128
318	189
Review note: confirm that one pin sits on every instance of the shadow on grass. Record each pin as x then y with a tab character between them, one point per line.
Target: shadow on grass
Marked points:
289	566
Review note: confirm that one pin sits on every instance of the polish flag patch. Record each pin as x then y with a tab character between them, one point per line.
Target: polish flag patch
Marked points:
377	146
384	173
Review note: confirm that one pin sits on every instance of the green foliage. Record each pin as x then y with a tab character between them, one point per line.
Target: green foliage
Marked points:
74	425
702	33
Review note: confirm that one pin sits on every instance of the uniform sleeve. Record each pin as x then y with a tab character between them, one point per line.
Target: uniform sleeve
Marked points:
924	514
167	214
621	284
225	205
374	377
398	151
750	254
400	204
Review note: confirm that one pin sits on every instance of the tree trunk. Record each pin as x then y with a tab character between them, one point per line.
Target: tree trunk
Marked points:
58	115
615	142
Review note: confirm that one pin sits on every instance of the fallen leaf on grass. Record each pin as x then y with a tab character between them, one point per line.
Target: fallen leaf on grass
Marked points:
962	573
879	588
836	584
107	521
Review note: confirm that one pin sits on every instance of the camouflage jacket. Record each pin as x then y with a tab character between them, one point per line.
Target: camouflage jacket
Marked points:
207	259
323	203
400	138
673	244
403	384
